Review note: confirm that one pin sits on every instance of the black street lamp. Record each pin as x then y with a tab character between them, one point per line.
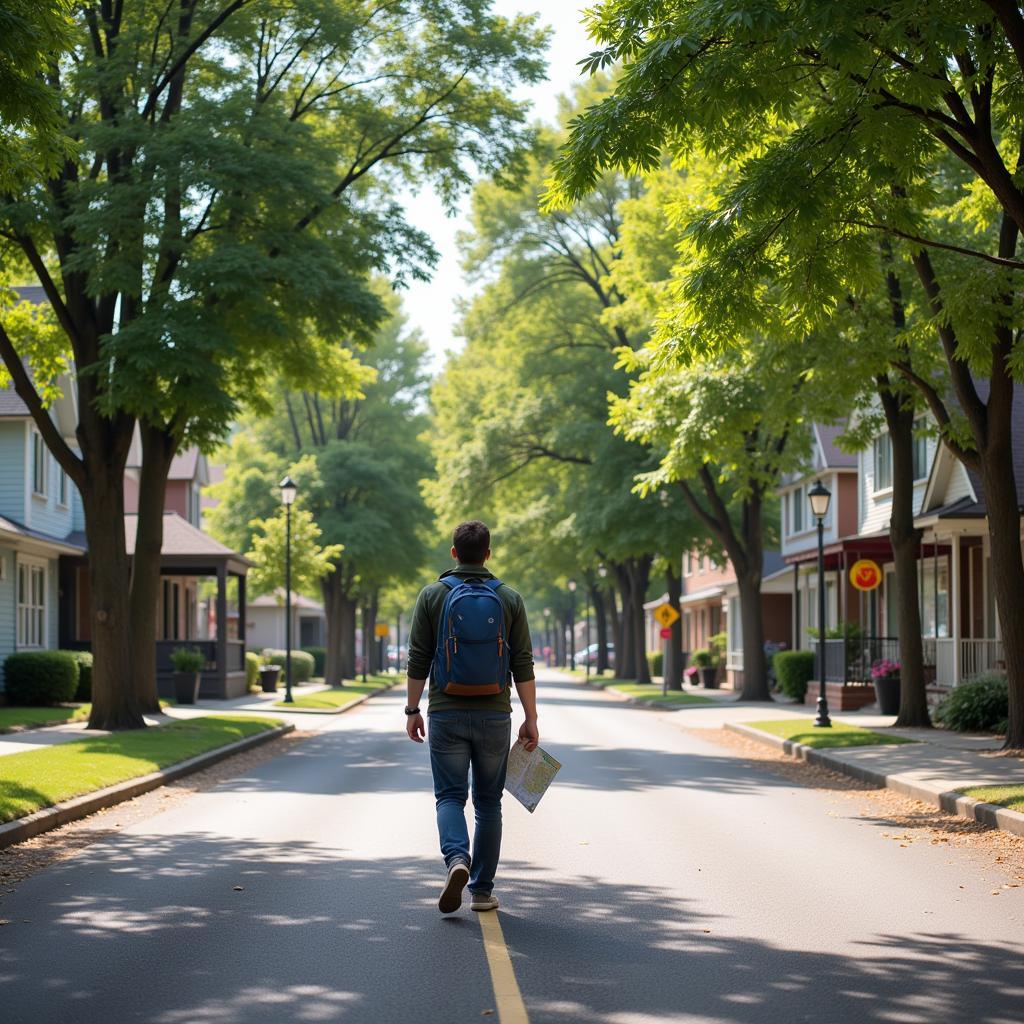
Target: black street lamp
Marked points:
602	654
819	496
572	623
288	493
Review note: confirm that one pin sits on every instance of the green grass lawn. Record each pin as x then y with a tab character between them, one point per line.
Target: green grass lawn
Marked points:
42	777
31	718
645	692
337	697
1011	797
800	730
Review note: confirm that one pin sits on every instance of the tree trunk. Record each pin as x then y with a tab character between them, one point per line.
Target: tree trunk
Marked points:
673	666
755	665
625	656
614	628
348	636
601	621
371	644
158	449
330	588
115	701
640	574
1007	575
905	540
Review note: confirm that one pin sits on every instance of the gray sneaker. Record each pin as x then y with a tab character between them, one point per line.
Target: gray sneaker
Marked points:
451	895
482	901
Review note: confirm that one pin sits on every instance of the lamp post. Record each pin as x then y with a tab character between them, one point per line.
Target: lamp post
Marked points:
288	493
586	647
819	496
602	654
547	634
572	623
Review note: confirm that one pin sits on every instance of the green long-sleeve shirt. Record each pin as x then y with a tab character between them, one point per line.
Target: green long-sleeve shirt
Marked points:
426	618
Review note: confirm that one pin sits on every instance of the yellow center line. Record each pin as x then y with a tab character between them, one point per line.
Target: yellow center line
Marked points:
511	1009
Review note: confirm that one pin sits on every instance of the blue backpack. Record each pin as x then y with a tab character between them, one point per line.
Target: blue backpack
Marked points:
471	658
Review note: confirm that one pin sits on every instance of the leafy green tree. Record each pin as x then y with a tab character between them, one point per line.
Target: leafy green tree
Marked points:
33	35
899	124
309	561
230	190
358	462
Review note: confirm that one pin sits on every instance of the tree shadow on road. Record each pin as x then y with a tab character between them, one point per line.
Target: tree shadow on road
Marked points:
152	928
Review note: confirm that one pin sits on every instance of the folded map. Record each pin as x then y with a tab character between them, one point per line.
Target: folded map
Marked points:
530	772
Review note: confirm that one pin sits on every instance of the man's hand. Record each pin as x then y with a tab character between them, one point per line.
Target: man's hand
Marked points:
528	734
414	727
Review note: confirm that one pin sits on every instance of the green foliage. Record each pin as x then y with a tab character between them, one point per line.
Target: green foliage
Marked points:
83	691
252	670
309	561
703	658
319	655
302	663
718	644
794	670
40	677
655	662
796	730
981	705
188	659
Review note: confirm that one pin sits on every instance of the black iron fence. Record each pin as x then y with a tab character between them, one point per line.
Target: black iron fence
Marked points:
851	660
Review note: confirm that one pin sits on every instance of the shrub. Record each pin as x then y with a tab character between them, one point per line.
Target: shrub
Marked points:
188	659
703	658
83	694
656	662
982	705
252	670
319	659
794	670
40	677
718	644
302	663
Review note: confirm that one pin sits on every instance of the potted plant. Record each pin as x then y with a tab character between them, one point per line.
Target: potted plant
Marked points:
269	675
188	662
707	666
885	674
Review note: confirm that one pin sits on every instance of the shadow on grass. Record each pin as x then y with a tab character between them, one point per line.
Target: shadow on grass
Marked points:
152	928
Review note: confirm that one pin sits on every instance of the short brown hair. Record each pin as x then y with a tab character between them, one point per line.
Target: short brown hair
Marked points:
471	541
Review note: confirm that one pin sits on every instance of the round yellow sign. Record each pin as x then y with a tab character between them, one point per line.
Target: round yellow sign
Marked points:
865	574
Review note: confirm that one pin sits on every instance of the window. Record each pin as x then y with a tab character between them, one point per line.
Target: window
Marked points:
921	466
688	563
172	611
62	487
39	461
31	606
883	462
797	508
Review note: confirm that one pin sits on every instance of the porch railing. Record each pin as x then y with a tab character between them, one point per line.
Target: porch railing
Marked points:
850	661
734	661
235	654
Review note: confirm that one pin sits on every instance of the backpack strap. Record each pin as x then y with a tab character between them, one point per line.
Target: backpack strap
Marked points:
450	582
492	584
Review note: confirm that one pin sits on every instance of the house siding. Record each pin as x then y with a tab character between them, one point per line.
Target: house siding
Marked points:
12	469
7	607
959	485
46	514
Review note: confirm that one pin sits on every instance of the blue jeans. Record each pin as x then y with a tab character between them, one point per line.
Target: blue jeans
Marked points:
459	740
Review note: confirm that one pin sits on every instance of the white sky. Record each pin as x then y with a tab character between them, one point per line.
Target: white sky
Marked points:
430	306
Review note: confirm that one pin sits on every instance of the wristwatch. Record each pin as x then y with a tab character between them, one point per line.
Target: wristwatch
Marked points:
412	711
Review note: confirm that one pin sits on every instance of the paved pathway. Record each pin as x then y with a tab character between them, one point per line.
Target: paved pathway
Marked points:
662	880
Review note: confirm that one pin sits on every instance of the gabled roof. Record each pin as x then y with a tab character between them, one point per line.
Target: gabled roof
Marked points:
832	456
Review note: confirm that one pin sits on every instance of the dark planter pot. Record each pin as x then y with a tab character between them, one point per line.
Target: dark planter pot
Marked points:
186	687
269	676
887	691
709	678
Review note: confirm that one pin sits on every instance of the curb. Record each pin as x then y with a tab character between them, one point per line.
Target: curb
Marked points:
274	709
78	807
642	702
950	801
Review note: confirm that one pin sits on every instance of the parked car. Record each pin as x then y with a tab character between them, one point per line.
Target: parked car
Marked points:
589	654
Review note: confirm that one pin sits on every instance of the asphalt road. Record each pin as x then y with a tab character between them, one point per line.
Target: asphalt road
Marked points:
662	879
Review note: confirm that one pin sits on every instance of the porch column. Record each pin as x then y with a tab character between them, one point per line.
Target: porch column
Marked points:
222	620
796	607
241	607
953	603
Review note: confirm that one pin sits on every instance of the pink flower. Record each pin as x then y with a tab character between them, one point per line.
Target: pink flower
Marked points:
884	669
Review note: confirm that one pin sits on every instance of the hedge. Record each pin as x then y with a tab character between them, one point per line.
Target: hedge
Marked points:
319	659
302	663
982	705
656	662
40	677
83	694
794	670
252	670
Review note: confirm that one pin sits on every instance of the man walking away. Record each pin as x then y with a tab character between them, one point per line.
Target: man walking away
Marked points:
470	635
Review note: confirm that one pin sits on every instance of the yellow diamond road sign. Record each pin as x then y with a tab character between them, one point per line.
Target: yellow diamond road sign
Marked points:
666	614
